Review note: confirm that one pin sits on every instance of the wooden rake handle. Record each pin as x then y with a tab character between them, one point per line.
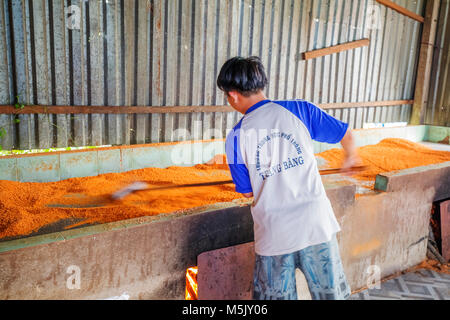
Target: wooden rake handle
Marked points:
219	183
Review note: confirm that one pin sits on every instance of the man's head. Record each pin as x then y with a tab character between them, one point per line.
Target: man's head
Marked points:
242	80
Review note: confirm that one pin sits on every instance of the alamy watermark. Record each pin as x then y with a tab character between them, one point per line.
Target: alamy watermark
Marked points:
374	277
73	282
73	17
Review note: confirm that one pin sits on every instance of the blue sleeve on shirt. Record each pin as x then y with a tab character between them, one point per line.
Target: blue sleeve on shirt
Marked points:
238	169
321	126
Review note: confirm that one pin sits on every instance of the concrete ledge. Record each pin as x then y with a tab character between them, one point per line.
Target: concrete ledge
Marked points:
435	176
55	166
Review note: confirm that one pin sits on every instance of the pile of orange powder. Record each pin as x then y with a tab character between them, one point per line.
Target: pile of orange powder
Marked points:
27	207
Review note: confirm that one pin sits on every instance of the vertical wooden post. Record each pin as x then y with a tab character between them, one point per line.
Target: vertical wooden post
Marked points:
425	62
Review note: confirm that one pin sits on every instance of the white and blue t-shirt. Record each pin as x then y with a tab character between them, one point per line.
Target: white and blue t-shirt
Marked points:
270	153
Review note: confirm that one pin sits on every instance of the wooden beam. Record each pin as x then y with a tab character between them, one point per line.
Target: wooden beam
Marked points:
425	62
184	109
111	110
335	49
402	10
347	105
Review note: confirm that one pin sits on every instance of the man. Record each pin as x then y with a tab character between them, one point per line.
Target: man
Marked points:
271	158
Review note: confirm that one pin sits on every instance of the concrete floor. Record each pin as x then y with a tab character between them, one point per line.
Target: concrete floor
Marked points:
419	285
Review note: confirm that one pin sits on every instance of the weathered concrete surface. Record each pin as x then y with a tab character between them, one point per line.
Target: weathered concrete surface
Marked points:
147	261
227	274
435	176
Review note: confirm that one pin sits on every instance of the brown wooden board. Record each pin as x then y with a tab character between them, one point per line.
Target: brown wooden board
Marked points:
401	10
335	49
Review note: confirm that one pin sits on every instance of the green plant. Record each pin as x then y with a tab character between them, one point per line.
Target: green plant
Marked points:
18	106
2	134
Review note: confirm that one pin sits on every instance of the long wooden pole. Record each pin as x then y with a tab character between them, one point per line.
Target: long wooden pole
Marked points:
187	109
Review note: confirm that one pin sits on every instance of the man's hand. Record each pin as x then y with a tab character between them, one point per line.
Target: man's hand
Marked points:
248	195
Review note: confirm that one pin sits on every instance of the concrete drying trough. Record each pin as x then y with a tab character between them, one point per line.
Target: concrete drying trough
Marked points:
147	257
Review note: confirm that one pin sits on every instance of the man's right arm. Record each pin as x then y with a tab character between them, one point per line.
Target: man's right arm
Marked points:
352	158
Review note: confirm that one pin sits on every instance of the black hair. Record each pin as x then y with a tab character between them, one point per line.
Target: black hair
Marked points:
244	75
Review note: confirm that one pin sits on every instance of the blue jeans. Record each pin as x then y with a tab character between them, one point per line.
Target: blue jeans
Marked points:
274	277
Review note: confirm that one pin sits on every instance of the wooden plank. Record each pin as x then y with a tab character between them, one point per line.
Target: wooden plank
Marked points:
402	10
425	62
335	49
175	109
346	105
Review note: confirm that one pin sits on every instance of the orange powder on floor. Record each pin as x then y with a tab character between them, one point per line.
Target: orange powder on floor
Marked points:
27	207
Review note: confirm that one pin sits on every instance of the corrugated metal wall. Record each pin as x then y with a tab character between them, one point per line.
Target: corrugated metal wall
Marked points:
438	106
169	52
